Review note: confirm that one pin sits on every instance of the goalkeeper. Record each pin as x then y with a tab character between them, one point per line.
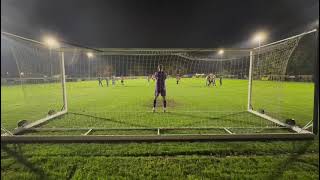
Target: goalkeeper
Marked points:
160	77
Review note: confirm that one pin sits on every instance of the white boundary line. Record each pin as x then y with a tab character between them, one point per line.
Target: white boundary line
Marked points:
228	131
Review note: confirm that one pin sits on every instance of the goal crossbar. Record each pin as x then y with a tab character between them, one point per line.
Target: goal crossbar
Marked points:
151	138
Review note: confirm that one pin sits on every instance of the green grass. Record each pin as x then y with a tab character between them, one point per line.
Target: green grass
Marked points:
215	160
189	104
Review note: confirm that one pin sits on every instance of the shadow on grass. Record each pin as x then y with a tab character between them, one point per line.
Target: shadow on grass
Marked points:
110	120
279	170
232	118
226	118
17	154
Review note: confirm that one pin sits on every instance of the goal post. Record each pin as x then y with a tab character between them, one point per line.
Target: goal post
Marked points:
250	81
268	92
38	73
315	128
273	63
63	82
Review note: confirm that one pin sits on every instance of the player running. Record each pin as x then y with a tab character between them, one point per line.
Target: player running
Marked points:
100	81
220	80
160	77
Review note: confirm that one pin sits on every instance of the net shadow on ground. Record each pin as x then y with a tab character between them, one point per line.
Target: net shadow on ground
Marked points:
109	119
17	154
280	169
226	117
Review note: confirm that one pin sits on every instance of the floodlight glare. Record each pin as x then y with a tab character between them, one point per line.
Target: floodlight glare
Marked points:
260	37
221	51
51	42
89	54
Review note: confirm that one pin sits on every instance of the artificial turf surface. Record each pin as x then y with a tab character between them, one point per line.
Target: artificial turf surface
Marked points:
190	104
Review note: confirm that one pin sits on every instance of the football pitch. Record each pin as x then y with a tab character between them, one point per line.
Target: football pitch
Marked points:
190	104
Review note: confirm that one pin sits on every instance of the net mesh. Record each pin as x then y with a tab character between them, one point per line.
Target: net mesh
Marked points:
191	102
112	90
282	76
30	82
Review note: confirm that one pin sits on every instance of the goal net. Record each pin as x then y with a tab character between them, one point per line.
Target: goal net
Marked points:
31	83
111	91
282	80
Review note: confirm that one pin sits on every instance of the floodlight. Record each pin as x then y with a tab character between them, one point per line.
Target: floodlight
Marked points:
221	51
51	42
260	37
89	54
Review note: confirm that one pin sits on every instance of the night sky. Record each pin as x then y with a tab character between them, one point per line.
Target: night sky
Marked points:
159	24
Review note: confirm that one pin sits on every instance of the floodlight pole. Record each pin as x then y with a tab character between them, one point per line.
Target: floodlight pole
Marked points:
259	50
50	62
89	68
63	81
220	62
250	81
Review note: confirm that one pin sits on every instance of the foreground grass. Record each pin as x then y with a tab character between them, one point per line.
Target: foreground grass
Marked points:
220	160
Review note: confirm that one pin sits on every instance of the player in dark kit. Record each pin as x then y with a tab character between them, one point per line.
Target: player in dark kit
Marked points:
208	80
160	77
100	81
122	80
178	78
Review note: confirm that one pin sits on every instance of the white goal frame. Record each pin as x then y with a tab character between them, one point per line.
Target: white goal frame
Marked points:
264	116
300	133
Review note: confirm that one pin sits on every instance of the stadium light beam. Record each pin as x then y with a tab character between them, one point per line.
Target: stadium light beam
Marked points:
51	42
